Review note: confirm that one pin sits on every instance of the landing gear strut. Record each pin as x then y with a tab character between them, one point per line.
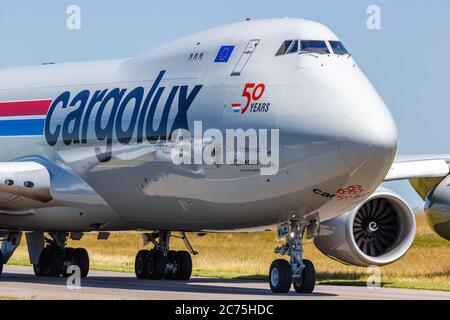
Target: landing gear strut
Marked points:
56	259
162	263
299	272
9	243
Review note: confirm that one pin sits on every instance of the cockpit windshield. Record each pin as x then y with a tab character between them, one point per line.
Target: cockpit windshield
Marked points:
338	47
314	46
289	46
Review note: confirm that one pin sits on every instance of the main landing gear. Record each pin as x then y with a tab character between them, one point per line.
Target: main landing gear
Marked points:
162	263
9	243
297	272
1	263
56	259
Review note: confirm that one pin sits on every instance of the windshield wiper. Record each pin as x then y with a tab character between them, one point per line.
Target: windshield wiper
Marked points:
312	54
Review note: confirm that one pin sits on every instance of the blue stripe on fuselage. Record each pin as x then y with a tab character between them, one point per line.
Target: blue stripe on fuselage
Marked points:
25	127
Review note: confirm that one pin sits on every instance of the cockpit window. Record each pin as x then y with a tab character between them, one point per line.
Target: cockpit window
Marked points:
286	47
338	47
311	46
293	48
314	46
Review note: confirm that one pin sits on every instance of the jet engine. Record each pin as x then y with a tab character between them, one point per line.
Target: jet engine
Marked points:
377	232
437	209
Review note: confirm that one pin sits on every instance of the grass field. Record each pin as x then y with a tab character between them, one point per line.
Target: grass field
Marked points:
426	266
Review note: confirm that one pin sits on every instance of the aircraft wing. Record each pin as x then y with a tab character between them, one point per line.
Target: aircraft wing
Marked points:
416	167
423	172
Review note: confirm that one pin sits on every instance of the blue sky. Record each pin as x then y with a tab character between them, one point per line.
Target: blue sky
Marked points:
407	60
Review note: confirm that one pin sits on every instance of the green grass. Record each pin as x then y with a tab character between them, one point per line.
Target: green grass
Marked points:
430	241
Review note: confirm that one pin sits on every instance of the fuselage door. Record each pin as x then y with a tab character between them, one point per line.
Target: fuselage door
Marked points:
245	57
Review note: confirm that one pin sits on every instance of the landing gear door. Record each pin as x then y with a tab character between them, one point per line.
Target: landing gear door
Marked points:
283	230
245	57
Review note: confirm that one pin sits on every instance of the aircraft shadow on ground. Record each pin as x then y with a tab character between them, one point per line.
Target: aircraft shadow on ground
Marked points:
195	285
325	278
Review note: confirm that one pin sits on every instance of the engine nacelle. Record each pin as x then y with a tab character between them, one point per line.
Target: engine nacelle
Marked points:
378	232
437	209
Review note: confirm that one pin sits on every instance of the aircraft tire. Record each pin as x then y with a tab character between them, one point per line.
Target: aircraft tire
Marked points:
51	262
183	261
308	281
171	258
81	259
39	267
1	263
280	276
68	261
156	265
140	268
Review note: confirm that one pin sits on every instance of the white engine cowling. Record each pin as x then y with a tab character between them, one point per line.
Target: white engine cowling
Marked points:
376	233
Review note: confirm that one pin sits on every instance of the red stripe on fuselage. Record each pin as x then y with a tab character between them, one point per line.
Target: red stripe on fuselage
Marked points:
24	108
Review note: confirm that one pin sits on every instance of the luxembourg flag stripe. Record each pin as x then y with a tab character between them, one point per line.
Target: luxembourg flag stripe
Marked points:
24	108
23	118
29	127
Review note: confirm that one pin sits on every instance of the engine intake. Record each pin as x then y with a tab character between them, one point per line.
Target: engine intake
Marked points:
378	232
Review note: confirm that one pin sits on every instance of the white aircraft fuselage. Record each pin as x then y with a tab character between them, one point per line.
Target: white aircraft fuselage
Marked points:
100	129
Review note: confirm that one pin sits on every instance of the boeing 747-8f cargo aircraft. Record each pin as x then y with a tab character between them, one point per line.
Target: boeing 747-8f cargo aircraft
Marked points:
103	146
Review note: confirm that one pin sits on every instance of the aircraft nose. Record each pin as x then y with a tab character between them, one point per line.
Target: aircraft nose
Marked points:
368	139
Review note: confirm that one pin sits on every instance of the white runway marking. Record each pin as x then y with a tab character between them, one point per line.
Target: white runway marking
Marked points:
20	282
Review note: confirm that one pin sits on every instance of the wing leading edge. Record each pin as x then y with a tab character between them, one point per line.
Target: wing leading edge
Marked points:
423	172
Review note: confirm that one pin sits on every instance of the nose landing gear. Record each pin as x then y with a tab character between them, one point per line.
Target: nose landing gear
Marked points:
298	272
